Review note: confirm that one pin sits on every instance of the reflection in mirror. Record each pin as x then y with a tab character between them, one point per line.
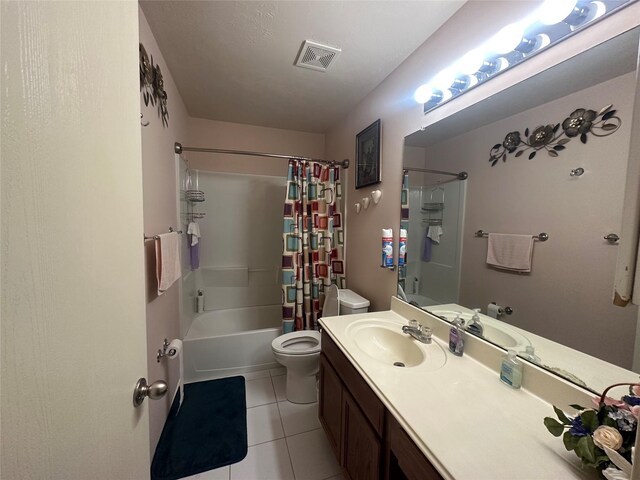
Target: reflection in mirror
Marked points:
554	304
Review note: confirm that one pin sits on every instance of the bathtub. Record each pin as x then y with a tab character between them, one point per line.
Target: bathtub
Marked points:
232	341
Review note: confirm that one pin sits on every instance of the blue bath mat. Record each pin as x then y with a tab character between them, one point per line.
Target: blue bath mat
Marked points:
208	432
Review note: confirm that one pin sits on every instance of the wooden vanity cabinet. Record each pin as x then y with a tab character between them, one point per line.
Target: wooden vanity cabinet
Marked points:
368	442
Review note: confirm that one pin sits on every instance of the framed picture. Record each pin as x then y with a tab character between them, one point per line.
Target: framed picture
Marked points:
368	156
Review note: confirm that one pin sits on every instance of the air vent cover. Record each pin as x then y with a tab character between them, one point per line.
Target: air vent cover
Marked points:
316	56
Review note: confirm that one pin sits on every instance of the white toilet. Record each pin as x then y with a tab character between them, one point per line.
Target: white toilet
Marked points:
299	351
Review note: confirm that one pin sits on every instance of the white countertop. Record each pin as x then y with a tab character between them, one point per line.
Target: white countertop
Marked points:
466	422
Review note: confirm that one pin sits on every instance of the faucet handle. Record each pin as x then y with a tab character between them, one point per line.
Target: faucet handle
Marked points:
414	323
425	332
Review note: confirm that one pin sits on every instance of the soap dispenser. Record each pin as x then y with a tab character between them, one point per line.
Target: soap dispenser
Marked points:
456	336
511	370
474	326
530	354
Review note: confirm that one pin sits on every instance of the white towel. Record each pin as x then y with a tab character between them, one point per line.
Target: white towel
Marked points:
434	233
510	252
194	230
167	260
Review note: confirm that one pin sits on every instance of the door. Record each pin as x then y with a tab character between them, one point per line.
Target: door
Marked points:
73	308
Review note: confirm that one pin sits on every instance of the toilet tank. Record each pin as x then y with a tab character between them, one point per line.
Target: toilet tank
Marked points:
351	302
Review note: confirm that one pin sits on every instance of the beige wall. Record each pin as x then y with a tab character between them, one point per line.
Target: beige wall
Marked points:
392	102
568	295
236	136
160	212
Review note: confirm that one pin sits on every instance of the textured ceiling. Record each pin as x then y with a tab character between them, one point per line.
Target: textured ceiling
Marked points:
234	60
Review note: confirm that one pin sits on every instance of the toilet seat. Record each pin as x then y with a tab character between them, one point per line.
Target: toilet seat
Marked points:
304	342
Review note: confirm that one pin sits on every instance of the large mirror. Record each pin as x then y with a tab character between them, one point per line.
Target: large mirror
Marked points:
559	314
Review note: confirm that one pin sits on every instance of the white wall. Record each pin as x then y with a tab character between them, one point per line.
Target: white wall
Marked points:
568	295
241	243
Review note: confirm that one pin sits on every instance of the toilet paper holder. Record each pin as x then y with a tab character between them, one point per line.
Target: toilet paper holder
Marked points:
162	352
503	310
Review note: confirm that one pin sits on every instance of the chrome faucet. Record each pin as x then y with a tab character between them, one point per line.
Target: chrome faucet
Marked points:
417	331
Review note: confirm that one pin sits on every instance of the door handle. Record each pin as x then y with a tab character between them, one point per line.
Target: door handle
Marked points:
156	390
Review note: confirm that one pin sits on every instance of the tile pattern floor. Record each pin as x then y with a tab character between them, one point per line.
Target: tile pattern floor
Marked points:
286	441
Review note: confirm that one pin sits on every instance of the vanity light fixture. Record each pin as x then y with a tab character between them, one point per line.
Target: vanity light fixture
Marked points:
551	23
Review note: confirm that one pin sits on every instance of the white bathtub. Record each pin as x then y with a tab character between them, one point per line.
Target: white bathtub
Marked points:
232	341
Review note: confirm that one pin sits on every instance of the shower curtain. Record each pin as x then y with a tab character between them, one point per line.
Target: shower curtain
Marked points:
313	242
404	224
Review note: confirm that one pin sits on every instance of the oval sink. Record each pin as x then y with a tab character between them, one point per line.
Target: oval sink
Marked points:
384	342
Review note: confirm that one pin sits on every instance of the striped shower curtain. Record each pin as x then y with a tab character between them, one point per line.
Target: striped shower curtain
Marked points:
313	242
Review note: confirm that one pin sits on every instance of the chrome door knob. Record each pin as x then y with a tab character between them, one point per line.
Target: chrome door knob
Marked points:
154	391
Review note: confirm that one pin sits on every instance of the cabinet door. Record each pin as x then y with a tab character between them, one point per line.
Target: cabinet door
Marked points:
330	407
361	448
404	460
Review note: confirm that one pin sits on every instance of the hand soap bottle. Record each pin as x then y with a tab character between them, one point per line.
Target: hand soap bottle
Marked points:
456	337
511	370
474	326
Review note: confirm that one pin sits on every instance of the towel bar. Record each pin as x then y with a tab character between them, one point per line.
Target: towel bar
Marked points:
156	237
542	237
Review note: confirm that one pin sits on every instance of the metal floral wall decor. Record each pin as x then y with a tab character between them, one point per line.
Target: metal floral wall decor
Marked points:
152	85
554	138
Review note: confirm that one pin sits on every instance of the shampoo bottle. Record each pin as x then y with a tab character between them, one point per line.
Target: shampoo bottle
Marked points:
511	370
200	301
456	337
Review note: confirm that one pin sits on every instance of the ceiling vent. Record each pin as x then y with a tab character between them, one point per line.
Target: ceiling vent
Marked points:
316	56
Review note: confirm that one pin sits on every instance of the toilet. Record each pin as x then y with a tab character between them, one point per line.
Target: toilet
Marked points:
299	352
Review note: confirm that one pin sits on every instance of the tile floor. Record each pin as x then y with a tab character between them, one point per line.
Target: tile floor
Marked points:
286	441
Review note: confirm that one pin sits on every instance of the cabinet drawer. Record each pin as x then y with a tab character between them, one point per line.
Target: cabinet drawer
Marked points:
371	406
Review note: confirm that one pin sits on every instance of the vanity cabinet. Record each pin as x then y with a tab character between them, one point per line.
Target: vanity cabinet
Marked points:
368	442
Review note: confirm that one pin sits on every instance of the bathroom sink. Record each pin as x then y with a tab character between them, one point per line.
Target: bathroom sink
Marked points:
493	330
384	342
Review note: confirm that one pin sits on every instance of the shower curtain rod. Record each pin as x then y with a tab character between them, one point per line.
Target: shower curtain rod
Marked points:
460	175
178	148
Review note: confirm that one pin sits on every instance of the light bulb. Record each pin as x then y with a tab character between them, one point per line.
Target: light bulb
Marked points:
507	39
444	79
423	93
555	11
470	63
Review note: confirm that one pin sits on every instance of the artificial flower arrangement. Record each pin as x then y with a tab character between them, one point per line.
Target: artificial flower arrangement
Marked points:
611	425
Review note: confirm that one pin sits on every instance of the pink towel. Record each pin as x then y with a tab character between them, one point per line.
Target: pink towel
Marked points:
167	260
510	252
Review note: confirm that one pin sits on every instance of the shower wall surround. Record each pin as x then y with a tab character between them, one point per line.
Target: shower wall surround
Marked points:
241	243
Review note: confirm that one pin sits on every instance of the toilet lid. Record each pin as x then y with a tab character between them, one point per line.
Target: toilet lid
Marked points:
304	342
331	307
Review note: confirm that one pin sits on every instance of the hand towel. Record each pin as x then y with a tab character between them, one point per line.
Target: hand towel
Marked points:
194	256
194	230
510	252
426	249
434	232
167	260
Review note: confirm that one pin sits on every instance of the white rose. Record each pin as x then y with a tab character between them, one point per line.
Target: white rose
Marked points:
605	436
